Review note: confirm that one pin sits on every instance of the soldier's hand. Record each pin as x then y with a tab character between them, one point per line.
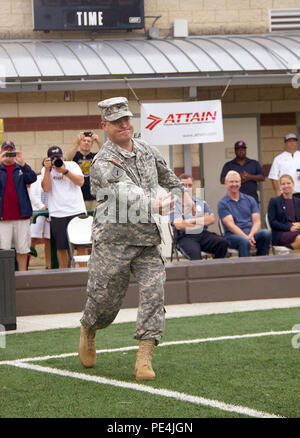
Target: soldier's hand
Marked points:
188	204
164	205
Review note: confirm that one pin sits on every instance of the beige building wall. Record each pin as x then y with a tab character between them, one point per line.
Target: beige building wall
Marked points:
203	16
237	100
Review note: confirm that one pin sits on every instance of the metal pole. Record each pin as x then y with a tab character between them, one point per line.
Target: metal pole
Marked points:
187	156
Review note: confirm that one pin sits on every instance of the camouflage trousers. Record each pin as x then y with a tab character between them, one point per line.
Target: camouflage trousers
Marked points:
109	272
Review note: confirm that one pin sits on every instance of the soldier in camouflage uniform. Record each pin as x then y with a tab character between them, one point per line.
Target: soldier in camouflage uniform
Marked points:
125	175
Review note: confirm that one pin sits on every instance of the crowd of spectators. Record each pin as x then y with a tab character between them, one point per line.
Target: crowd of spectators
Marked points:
239	210
62	189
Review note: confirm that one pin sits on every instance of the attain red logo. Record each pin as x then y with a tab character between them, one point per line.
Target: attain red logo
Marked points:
155	121
182	119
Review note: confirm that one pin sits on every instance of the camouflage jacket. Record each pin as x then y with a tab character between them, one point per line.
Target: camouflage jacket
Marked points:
125	185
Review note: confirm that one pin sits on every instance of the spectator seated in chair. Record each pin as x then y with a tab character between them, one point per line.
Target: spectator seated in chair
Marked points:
284	215
191	233
241	218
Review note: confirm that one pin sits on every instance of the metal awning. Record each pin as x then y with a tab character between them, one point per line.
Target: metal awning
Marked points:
146	63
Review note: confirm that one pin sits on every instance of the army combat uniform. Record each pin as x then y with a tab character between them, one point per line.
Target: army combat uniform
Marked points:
126	235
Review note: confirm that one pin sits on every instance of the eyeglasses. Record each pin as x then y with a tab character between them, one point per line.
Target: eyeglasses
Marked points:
188	185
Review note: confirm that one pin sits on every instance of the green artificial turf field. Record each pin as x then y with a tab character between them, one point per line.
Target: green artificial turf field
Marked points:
235	365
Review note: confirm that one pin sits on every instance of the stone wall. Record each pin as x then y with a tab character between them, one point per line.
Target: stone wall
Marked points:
198	281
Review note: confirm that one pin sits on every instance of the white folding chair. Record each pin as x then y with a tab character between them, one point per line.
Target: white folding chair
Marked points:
166	244
79	233
276	249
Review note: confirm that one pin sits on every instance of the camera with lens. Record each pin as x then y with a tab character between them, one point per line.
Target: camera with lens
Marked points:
57	162
88	133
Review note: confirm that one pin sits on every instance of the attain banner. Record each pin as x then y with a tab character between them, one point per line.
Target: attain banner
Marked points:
182	122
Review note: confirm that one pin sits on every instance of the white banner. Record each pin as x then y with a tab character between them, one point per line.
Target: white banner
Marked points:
182	122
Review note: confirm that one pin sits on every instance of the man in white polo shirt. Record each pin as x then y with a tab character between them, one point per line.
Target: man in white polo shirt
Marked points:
63	181
288	162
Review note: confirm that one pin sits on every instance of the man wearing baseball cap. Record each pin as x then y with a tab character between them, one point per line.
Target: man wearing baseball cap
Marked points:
250	170
62	180
82	154
15	205
287	163
126	235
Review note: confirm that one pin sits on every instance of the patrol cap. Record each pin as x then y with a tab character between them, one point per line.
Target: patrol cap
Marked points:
8	143
290	137
54	151
240	144
114	108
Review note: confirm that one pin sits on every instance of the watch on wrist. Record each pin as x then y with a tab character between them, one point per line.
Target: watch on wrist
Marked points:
65	172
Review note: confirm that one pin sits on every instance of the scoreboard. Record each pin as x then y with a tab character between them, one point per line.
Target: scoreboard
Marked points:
88	14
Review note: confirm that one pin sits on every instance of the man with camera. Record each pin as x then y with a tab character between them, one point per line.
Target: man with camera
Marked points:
82	155
63	181
15	205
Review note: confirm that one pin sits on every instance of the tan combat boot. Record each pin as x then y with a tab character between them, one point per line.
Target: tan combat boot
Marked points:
87	347
143	367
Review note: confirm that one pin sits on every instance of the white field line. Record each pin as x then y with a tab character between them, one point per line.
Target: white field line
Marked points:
23	363
163	344
148	389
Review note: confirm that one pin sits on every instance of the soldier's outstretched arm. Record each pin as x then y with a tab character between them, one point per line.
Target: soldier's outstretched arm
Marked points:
164	205
110	182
